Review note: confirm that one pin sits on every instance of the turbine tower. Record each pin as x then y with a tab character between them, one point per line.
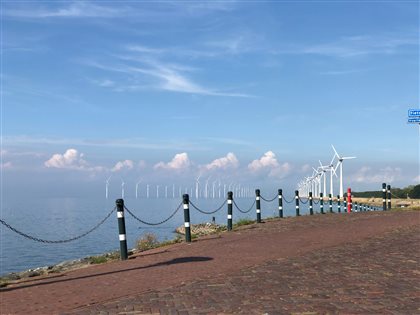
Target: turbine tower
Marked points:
340	163
122	188
107	186
137	188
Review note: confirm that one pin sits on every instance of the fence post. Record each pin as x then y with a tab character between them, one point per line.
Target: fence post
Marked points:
311	207
321	202
330	203
258	205
338	204
297	202
186	202
356	209
121	229
383	196
389	196
280	203
344	203
229	215
349	201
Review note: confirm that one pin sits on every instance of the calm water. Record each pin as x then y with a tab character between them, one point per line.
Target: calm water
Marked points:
63	218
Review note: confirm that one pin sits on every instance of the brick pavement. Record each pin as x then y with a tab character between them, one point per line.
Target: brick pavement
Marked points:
250	270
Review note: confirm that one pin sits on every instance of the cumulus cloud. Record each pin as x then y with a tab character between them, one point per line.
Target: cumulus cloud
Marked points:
368	175
72	160
268	162
180	161
228	161
121	165
6	165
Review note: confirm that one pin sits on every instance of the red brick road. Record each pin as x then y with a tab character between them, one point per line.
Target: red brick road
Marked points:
360	263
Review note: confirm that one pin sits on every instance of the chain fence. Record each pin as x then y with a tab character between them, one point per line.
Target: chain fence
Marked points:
315	202
303	202
269	200
243	211
153	223
207	212
288	201
36	239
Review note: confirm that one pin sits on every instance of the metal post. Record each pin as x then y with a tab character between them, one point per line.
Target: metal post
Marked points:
311	207
338	204
280	203
389	196
186	202
344	203
321	202
349	204
356	209
297	202
383	196
258	205
330	203
229	215
121	229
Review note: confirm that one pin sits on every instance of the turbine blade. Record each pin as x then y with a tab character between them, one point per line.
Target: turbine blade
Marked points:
348	157
335	151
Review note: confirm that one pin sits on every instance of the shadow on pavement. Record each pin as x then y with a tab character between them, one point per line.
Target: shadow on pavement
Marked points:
181	260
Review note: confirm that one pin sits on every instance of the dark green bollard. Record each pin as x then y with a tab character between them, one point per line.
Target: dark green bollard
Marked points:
311	207
389	196
321	202
229	215
383	196
338	204
121	229
258	205
186	202
297	202
330	203
280	203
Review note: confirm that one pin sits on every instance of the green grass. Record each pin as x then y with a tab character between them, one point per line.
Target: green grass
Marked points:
242	222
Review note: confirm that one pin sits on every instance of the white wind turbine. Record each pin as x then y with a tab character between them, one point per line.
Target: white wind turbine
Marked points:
340	163
122	188
332	171
137	188
197	187
107	186
324	169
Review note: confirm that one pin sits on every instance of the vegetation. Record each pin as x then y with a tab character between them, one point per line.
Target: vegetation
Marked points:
147	241
411	191
243	222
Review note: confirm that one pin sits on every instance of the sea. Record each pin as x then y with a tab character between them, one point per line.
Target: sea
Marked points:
65	218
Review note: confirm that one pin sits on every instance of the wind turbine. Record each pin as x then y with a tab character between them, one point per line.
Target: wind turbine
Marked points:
197	189
332	170
340	163
137	188
157	191
107	186
206	187
122	188
324	170
147	191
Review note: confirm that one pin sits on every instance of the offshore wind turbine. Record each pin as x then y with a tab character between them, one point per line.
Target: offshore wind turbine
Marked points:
324	170
340	163
122	188
107	186
137	188
197	189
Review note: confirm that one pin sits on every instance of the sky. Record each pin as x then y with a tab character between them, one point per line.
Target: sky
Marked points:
250	92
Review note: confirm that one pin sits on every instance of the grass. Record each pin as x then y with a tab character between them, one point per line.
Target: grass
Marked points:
242	222
147	241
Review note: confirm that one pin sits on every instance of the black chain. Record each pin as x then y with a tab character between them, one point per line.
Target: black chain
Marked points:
269	200
242	211
304	202
56	241
314	202
209	212
151	223
288	201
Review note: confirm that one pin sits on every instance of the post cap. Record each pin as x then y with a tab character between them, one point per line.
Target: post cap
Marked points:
185	198
230	194
257	192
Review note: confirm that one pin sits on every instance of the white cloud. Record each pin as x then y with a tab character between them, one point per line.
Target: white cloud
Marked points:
74	10
268	160
72	160
305	168
228	161
268	163
6	165
121	165
180	161
368	175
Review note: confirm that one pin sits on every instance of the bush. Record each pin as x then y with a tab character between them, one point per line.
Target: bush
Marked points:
243	222
147	241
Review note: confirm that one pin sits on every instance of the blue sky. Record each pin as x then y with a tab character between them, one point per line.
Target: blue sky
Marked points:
245	91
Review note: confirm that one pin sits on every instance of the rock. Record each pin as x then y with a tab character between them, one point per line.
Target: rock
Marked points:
200	229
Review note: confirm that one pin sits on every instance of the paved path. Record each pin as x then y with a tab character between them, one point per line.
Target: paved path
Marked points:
362	263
